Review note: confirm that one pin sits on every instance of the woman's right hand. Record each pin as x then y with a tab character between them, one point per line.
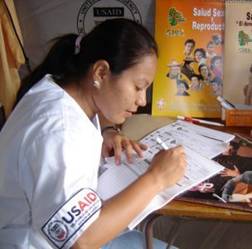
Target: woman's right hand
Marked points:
168	166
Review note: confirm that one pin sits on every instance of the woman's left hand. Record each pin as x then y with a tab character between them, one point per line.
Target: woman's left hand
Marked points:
115	142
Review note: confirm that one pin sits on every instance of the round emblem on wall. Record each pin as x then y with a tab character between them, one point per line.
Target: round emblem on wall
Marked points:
58	231
92	12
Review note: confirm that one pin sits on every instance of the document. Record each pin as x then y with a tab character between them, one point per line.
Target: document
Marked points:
200	146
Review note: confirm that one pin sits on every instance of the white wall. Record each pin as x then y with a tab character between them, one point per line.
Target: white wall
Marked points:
42	20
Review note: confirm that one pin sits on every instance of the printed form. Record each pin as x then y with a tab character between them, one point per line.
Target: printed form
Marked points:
200	146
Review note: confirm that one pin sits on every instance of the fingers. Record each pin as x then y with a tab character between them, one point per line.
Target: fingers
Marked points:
236	169
107	150
116	143
177	152
121	143
117	150
230	172
168	166
223	174
128	149
139	148
179	149
112	146
131	146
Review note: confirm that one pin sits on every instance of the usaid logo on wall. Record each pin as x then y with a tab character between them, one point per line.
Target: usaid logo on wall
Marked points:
92	12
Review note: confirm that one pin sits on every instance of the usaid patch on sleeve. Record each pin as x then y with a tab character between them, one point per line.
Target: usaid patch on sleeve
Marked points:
73	217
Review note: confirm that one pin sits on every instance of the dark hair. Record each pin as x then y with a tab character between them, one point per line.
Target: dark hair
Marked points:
217	39
235	145
202	50
210	43
190	41
121	42
199	77
202	65
214	59
182	82
188	61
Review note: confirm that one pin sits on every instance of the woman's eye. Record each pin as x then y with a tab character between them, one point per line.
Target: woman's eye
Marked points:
138	88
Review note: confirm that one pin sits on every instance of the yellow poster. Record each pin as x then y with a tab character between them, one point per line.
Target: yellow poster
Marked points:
190	66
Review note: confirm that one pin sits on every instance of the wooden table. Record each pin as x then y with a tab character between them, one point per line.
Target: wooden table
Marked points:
182	209
196	210
139	126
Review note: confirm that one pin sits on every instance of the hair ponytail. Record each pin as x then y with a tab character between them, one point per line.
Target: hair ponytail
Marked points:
59	60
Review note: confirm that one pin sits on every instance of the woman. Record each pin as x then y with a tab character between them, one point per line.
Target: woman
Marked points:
187	68
204	73
217	66
51	144
200	56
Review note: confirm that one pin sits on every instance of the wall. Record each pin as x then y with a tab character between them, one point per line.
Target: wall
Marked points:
42	20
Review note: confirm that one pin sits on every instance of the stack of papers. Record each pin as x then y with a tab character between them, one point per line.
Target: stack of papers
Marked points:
201	145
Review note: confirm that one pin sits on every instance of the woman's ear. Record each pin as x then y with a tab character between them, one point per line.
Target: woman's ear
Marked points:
101	70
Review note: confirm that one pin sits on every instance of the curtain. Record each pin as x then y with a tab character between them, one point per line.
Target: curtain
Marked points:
11	56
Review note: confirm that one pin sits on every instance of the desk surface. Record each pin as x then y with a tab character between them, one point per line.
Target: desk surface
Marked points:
140	125
196	210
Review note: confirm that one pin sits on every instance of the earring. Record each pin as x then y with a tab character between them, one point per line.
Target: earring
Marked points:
97	84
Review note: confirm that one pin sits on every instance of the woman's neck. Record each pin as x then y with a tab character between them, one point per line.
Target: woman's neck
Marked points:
82	95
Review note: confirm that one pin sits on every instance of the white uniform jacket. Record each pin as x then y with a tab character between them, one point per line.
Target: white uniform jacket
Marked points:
49	158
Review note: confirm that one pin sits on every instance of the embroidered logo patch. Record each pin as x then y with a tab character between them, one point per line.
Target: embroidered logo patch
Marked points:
57	230
93	12
76	213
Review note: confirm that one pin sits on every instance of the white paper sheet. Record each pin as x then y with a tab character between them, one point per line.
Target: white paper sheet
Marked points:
199	150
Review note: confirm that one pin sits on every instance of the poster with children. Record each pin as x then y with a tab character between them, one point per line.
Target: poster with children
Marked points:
190	66
232	187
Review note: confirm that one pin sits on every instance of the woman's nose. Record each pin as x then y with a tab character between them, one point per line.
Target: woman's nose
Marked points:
141	99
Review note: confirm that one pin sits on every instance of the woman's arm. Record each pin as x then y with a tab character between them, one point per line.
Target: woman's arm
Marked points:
166	169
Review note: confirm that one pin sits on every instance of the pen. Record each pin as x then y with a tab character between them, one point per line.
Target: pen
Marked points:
199	121
162	143
218	197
